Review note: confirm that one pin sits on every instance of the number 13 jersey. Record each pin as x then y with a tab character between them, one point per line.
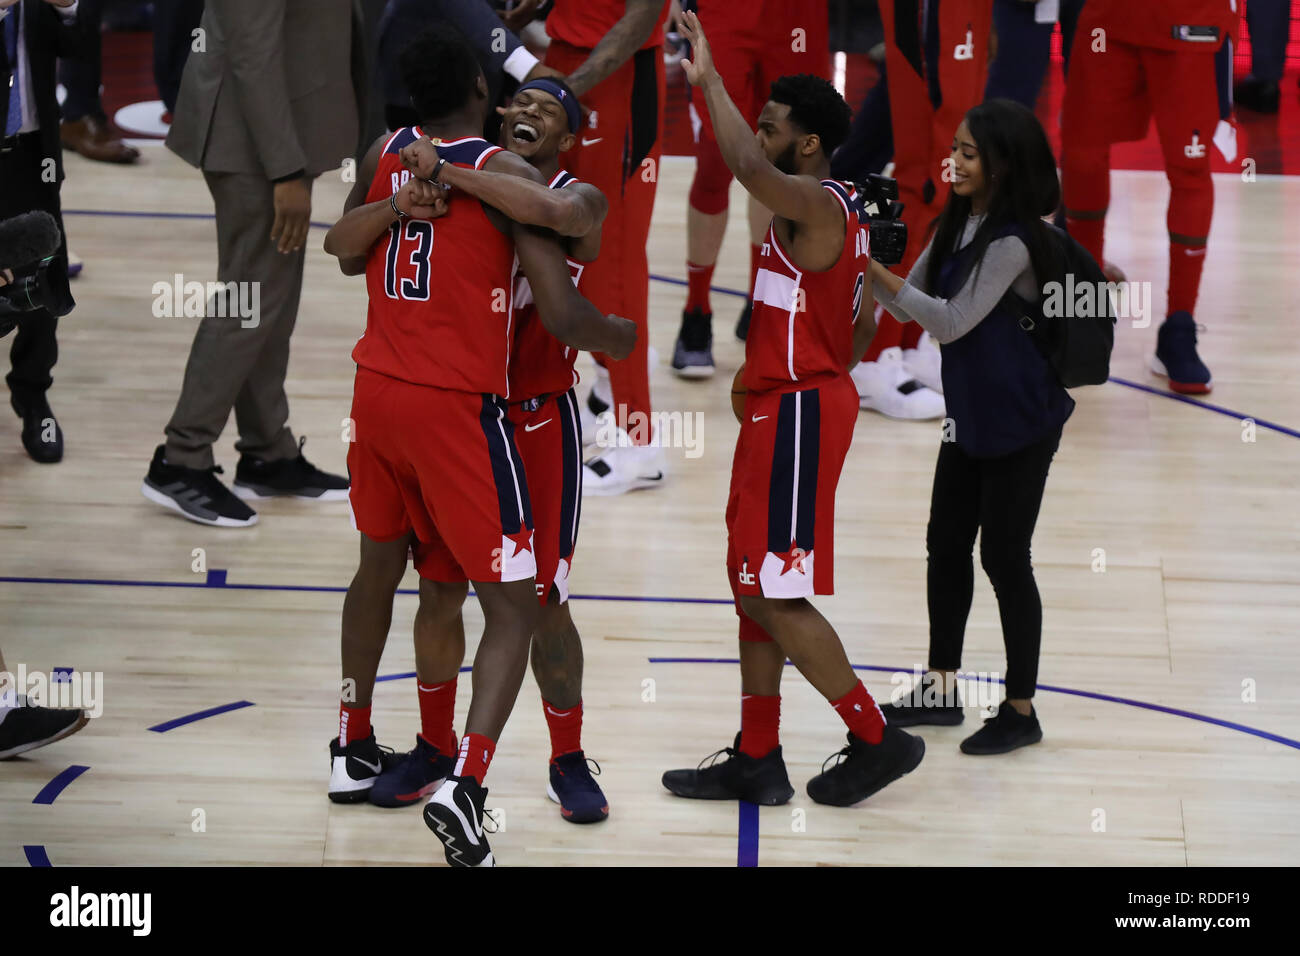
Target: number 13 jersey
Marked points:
441	304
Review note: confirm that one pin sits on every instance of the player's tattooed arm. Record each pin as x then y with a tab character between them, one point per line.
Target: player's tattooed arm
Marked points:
566	314
797	198
615	47
569	212
363	224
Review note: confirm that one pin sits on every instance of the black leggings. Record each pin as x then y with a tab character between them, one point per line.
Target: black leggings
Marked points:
999	497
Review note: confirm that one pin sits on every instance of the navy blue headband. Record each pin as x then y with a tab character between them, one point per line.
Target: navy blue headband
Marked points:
567	99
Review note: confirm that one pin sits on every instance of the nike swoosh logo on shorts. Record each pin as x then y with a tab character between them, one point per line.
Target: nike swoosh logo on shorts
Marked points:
591	142
759	418
533	428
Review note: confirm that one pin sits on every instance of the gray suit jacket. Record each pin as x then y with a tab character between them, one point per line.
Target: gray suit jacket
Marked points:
279	88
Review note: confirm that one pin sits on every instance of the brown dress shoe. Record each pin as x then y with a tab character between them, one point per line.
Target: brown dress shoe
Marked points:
92	137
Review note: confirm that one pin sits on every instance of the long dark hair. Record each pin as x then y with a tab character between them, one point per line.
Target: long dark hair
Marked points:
1020	172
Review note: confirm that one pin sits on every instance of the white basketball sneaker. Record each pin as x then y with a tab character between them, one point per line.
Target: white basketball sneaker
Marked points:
623	467
595	410
924	363
886	386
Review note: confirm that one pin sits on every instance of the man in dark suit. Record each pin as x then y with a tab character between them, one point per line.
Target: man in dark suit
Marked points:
271	103
36	33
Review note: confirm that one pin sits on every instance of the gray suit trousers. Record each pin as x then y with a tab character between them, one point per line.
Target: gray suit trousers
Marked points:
236	362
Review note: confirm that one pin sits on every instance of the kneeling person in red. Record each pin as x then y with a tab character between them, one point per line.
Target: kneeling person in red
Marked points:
809	326
541	122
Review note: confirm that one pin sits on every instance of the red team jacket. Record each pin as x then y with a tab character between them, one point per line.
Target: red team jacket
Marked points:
452	328
801	329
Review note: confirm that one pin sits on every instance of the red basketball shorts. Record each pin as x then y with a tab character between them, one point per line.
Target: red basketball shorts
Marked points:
443	465
549	439
781	510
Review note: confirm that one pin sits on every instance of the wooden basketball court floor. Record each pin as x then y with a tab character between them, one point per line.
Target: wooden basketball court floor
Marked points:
1168	698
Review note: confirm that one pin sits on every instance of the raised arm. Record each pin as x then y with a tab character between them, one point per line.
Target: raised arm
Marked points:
797	198
566	314
623	39
570	212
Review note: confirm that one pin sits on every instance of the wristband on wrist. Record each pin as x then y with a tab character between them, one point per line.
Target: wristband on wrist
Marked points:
392	201
437	170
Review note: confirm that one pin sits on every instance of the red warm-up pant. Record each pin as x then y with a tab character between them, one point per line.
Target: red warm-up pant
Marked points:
922	132
618	153
1111	97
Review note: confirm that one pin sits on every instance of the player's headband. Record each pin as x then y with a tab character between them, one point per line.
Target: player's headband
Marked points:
567	99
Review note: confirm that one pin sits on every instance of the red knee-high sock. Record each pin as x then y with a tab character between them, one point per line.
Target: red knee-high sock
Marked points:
860	713
760	724
698	280
437	714
565	727
354	723
1191	209
1185	265
475	754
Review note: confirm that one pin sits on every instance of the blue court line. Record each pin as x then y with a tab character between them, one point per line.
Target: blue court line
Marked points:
740	293
216	578
199	715
50	792
1092	695
747	837
36	856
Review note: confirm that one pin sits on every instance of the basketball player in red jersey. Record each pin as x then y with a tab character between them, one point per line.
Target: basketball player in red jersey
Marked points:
811	321
936	56
1130	62
611	53
541	121
753	44
433	460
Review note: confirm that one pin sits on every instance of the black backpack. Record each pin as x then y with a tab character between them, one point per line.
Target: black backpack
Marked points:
1076	346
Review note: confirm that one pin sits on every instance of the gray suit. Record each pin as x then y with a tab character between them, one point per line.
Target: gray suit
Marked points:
277	91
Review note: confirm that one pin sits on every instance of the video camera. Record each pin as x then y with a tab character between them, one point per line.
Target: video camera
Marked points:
28	244
879	197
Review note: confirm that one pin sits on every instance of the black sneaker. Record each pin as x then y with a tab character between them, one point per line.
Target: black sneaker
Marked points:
760	780
1258	95
196	493
26	727
1176	357
572	786
742	323
413	777
455	814
41	435
1004	732
925	705
287	478
866	768
693	351
355	768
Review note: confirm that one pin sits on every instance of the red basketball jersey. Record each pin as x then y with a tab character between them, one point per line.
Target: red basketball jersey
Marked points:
441	310
1167	24
540	364
584	23
801	329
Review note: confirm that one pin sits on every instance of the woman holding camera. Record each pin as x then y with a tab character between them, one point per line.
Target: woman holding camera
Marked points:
1006	408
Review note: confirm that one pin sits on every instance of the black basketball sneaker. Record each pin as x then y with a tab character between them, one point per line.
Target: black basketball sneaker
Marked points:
574	788
196	493
26	727
455	815
287	478
355	768
861	769
1005	731
415	775
762	780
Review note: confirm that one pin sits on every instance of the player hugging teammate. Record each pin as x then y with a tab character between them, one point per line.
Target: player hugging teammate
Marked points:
466	445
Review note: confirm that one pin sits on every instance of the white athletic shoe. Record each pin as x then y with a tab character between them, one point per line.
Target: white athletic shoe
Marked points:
886	386
623	468
923	364
594	411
